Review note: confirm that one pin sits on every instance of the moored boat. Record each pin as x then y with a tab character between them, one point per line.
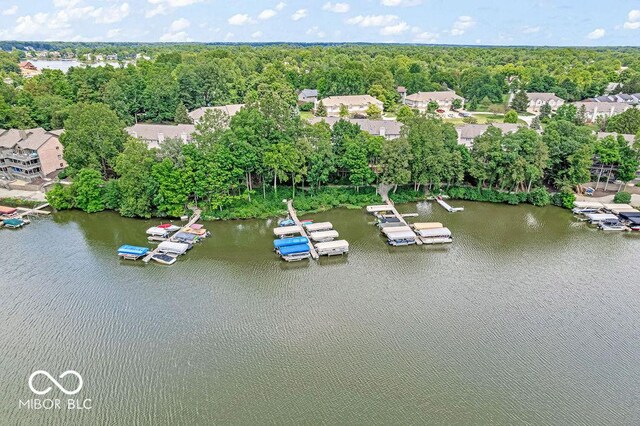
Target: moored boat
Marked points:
13	223
129	252
170	247
435	236
612	225
332	248
165	259
295	252
323	236
320	226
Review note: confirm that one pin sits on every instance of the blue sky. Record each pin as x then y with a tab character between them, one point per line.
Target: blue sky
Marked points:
517	22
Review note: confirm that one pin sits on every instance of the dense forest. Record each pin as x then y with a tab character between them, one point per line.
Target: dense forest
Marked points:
235	167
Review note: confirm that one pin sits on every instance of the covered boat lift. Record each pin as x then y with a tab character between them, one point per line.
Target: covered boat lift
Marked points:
435	236
403	238
396	229
320	226
169	247
427	225
332	248
596	218
287	230
323	236
379	208
295	252
132	252
293	241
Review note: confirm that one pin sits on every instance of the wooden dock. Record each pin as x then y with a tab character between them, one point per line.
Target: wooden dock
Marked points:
36	210
383	191
194	218
294	216
448	207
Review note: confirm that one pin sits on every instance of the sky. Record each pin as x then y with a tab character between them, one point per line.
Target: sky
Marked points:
468	22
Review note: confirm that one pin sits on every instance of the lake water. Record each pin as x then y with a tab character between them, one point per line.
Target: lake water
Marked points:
528	317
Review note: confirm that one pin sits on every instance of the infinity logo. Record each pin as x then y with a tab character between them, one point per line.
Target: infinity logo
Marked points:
55	382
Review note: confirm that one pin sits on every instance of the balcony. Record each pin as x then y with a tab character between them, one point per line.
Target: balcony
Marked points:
20	156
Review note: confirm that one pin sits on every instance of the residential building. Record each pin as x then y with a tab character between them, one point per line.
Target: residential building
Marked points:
620	97
468	132
231	110
27	69
155	134
356	104
629	138
602	109
444	99
538	99
389	129
30	154
402	91
307	96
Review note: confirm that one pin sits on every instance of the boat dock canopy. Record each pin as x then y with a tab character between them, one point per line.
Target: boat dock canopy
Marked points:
598	217
185	237
7	210
156	231
324	235
615	206
587	204
623	210
405	235
170	247
379	208
629	215
295	249
133	250
333	247
427	225
284	242
396	229
320	226
435	233
287	230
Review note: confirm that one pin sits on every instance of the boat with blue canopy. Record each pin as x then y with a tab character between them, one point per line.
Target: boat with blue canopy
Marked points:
295	252
132	252
13	223
284	242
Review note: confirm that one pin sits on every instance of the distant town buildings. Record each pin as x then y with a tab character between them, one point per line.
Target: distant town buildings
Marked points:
30	154
444	99
355	104
388	129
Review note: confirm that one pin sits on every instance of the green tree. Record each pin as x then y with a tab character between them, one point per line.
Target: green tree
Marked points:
511	116
171	196
627	122
321	110
344	111
404	114
182	115
432	106
374	112
93	137
355	160
61	197
88	187
520	101
456	104
135	183
395	162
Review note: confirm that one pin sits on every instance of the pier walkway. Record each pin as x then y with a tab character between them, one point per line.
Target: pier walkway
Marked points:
36	210
383	190
194	218
448	207
294	216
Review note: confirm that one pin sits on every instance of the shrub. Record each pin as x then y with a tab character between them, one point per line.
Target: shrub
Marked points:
61	197
563	199
622	198
306	107
539	197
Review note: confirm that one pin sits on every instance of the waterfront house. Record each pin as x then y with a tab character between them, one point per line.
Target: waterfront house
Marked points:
594	110
444	99
231	110
388	129
307	96
155	134
355	104
468	132
30	154
538	99
27	69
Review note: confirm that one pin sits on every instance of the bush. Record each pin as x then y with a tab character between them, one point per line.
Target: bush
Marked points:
306	107
61	197
563	199
539	197
622	198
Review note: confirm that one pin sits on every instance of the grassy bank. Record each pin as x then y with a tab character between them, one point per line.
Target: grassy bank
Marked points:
17	202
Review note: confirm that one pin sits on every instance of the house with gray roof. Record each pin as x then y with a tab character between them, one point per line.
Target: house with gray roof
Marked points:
468	132
155	134
594	110
538	99
421	100
355	104
231	110
307	96
388	129
30	154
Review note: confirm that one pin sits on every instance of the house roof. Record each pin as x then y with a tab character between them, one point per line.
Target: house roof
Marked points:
153	131
25	139
308	93
445	95
543	96
391	127
332	101
401	89
603	106
471	131
230	110
629	138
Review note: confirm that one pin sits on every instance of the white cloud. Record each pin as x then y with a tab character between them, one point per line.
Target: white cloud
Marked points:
114	32
373	20
426	37
299	14
461	25
267	14
163	7
336	7
240	19
158	10
175	37
530	30
10	11
179	25
596	34
633	20
316	32
65	3
392	3
396	29
257	34
280	6
110	15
